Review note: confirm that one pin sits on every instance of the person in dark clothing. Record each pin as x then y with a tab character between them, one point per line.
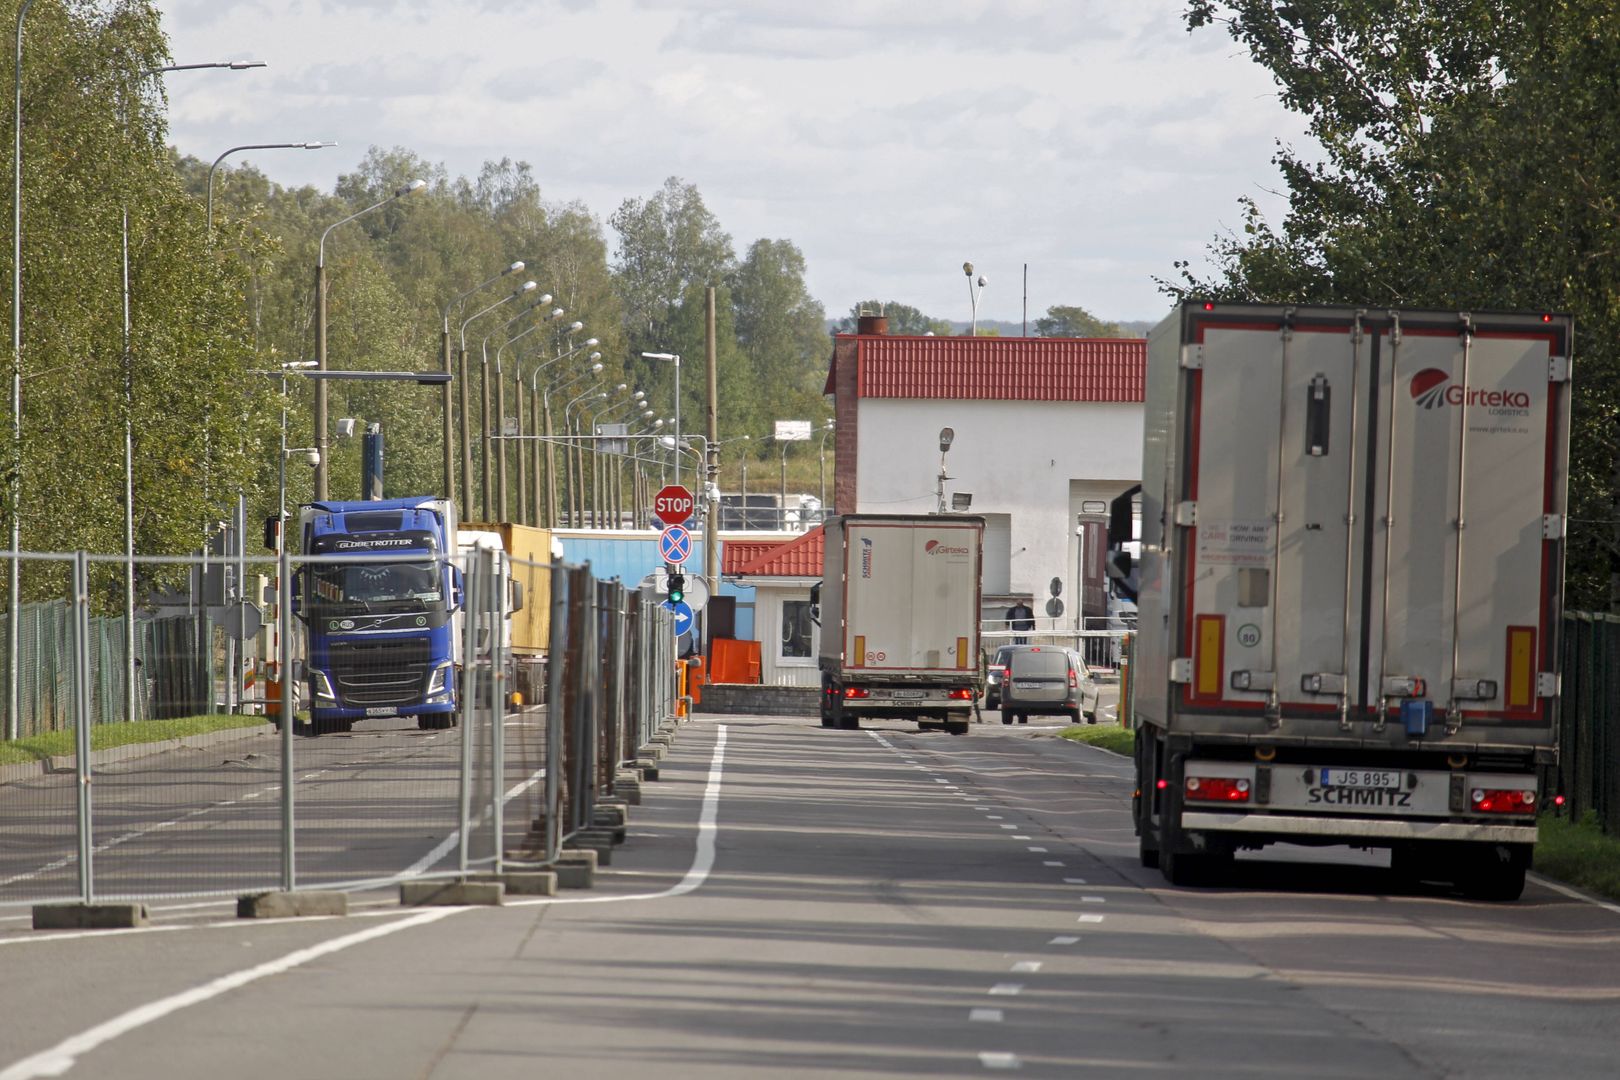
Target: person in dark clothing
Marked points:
1022	619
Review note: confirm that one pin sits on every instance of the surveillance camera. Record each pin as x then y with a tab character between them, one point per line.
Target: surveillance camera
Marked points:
313	458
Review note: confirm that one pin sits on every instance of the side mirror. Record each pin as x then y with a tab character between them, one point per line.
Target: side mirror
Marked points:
815	603
455	588
272	533
299	581
517	594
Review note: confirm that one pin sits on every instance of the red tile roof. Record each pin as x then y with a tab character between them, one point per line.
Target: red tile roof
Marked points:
799	557
996	369
735	554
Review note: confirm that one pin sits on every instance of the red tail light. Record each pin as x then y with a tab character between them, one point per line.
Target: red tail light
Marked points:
1216	789
856	692
963	694
1504	800
1074	679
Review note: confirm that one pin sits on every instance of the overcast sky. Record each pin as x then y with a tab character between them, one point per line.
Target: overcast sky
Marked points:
891	140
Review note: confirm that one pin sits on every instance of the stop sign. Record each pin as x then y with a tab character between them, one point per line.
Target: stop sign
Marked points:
673	504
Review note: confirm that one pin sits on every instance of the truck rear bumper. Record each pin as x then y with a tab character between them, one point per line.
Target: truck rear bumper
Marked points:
1375	829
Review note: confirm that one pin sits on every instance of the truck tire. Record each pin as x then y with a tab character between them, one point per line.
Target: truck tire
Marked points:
958	724
824	706
848	721
1496	873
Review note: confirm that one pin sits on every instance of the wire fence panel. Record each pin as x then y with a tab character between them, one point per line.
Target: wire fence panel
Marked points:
1588	772
346	722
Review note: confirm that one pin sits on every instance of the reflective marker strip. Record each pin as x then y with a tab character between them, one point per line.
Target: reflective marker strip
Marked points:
1521	668
961	654
860	651
1210	644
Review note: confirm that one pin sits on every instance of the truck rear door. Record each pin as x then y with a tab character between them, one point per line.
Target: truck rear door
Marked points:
912	596
1371	511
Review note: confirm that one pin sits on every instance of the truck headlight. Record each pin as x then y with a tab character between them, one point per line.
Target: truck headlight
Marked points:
323	686
439	681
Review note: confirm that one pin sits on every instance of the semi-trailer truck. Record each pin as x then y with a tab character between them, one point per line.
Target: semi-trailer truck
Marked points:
1351	575
524	558
378	603
899	612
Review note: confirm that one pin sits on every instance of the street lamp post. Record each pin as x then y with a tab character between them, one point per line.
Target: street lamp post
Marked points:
676	359
320	330
209	220
595	367
822	455
973	295
461	377
499	445
533	454
447	361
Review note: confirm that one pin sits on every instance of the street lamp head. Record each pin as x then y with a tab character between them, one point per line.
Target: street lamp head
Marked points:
639	395
318	145
945	437
293	365
675	358
982	282
967	268
411	188
575	327
595	356
591	343
515	268
621	388
556	313
243	65
529	286
596	369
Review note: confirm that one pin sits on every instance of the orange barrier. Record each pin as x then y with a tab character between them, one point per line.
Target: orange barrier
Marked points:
695	678
680	688
732	661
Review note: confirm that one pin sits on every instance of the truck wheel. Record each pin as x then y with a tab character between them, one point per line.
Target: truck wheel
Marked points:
1147	852
826	703
1496	873
957	725
849	721
1188	868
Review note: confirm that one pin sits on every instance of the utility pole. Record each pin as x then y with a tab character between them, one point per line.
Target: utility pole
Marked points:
711	471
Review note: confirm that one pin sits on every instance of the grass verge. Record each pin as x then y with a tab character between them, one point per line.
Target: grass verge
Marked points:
1579	854
107	736
1107	736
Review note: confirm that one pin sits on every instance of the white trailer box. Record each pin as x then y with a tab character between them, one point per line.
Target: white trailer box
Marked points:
1352	563
899	609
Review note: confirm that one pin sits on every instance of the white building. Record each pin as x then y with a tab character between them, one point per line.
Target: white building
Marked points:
1045	432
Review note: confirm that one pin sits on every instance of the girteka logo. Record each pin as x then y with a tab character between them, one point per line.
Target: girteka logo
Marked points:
935	547
1432	388
866	556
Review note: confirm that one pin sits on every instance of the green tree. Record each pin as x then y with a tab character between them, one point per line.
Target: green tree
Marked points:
782	331
1470	160
1074	322
667	244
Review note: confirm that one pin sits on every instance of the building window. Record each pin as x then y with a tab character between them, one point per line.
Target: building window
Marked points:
796	627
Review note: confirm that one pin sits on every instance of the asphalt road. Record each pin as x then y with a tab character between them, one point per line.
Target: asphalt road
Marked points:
795	901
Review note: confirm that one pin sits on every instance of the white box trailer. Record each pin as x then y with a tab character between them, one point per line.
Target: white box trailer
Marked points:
1352	564
899	611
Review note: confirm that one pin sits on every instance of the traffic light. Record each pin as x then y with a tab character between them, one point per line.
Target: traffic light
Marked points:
677	588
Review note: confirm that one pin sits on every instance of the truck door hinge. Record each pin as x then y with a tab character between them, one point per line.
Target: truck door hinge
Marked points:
1181	669
1558	369
1552	526
1187	513
1192	357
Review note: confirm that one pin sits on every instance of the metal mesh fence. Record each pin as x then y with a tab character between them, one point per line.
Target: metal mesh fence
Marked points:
425	738
1588	772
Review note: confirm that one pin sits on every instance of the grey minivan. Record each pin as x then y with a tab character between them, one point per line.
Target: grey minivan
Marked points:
1047	680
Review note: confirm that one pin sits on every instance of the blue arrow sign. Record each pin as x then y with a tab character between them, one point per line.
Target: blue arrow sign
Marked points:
674	544
683	616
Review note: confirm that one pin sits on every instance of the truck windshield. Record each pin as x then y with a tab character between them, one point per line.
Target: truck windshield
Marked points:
374	587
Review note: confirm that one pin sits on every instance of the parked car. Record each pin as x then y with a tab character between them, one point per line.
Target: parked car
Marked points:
1045	680
993	674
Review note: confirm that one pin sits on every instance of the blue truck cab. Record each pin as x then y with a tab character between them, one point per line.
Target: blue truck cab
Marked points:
381	620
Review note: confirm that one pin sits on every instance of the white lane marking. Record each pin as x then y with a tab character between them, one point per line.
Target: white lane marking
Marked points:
1574	894
1093	900
1064	940
62	1057
1074	881
987	1016
998	990
1038	850
938	780
1051	862
994	817
999	1060
1090	918
1009	826
1015	837
1027	965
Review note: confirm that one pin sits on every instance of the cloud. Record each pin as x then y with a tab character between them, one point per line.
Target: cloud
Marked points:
544	79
